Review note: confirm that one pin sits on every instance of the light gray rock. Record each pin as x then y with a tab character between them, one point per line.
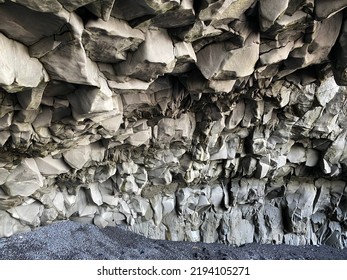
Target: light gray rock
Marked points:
69	63
86	101
43	119
235	221
78	157
135	9
9	226
95	193
221	85
24	180
19	70
28	214
337	149
297	154
327	90
236	115
324	36
3	175
50	166
21	134
276	55
216	61
153	58
110	41
300	199
139	133
169	129
269	11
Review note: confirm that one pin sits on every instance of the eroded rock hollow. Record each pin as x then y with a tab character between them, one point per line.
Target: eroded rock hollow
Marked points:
212	120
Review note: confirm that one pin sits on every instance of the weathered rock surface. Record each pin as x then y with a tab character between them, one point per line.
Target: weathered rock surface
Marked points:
18	70
214	121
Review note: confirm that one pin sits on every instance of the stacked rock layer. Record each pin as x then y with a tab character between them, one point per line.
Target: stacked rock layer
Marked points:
212	120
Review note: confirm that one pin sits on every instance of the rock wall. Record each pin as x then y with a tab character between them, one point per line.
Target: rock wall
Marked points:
212	120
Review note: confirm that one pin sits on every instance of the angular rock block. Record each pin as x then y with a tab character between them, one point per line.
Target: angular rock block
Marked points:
80	156
340	61
24	180
86	101
217	62
270	11
182	16
324	9
224	11
153	58
28	214
320	43
110	41
19	71
50	166
185	57
9	226
69	63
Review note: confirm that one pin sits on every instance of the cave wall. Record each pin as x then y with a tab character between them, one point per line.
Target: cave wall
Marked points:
214	121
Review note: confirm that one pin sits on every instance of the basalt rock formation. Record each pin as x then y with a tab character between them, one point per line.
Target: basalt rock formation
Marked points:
211	120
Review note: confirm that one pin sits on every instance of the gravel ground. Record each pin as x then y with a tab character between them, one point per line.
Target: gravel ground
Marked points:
70	240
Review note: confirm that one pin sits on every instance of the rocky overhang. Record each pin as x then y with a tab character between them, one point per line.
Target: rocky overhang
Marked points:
213	120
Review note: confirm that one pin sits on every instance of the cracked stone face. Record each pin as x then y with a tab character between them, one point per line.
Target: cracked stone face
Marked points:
213	121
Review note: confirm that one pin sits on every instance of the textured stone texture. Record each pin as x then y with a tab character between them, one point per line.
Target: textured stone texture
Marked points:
214	121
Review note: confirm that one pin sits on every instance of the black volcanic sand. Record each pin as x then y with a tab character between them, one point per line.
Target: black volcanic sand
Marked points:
70	240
